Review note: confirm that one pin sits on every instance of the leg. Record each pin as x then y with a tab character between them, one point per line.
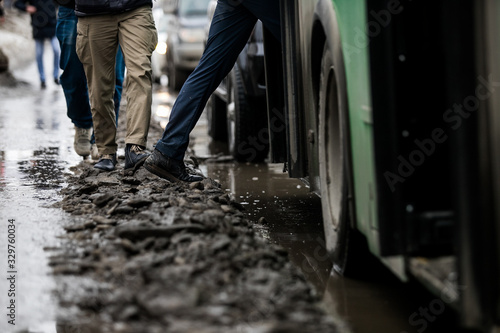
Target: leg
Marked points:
268	12
73	79
96	46
117	96
120	73
138	39
230	29
56	50
39	44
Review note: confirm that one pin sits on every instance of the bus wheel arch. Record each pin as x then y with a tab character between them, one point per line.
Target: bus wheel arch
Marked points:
318	39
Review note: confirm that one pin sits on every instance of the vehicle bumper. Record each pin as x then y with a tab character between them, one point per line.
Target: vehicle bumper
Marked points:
188	55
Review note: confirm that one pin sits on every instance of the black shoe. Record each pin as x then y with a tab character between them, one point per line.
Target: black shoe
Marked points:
43	85
135	156
168	168
106	162
56	81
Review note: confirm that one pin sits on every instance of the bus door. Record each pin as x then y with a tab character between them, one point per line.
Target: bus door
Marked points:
411	75
435	163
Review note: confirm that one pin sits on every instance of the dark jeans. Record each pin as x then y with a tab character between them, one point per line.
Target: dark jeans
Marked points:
73	80
231	27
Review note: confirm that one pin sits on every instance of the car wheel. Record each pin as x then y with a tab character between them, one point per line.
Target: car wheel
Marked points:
176	77
216	115
155	78
248	135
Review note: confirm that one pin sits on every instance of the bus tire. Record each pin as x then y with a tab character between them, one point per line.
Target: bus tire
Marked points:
334	171
246	123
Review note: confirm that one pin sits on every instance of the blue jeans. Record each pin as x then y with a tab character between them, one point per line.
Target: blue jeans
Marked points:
39	47
230	29
73	79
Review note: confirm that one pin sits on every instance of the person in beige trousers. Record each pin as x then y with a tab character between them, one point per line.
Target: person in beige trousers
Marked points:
102	26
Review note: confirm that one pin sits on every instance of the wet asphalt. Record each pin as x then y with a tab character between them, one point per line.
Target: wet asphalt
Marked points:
36	151
287	213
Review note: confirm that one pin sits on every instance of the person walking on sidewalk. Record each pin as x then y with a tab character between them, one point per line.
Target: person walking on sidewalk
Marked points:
231	26
102	26
74	82
43	22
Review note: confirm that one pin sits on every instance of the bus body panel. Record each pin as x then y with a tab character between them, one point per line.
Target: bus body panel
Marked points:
353	25
491	125
315	18
399	56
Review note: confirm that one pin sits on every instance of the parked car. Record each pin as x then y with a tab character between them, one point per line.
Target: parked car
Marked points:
159	56
185	38
236	111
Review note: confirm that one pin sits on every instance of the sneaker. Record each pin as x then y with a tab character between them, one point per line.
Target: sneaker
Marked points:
106	162
94	153
82	141
43	85
168	168
135	156
56	81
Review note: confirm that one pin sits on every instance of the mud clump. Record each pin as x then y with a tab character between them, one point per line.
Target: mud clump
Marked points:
147	255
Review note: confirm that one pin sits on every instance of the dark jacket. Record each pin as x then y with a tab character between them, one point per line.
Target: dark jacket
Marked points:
66	3
99	7
44	19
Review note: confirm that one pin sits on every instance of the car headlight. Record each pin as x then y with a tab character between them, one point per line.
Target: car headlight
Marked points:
191	35
161	48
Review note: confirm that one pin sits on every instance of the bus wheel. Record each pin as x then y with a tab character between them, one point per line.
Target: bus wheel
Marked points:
246	126
333	164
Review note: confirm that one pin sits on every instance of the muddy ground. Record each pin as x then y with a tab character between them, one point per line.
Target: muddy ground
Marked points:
146	255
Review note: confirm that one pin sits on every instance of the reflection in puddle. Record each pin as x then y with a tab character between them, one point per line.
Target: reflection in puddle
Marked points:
44	170
162	105
284	210
286	213
2	170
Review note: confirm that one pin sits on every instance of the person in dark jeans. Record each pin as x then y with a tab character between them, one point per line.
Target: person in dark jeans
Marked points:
74	82
43	22
230	29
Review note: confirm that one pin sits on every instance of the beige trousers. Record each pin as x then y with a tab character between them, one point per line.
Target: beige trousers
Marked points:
96	45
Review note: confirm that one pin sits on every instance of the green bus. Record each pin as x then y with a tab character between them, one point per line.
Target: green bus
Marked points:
390	111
